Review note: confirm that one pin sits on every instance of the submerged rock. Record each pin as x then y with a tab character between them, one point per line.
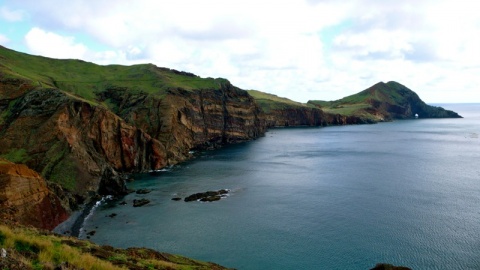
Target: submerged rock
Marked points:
385	266
208	196
176	199
140	202
143	191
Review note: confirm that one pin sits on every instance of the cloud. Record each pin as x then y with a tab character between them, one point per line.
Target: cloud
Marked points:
11	15
312	49
53	45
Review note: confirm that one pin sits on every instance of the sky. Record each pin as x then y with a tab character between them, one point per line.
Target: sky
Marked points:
299	49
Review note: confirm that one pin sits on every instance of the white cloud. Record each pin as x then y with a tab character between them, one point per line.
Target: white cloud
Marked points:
53	45
11	15
315	49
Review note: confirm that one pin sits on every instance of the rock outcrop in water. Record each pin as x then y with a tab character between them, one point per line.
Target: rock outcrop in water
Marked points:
209	196
385	266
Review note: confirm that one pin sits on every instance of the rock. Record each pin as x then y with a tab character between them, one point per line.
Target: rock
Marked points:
112	215
140	202
4	253
208	196
123	203
143	191
176	199
112	183
91	233
26	198
384	266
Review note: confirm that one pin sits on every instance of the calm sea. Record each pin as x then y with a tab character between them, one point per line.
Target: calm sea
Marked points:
347	197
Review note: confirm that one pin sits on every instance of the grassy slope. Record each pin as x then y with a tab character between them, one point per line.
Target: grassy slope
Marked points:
355	104
84	79
28	248
269	102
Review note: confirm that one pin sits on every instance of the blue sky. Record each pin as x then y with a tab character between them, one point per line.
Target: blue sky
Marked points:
303	50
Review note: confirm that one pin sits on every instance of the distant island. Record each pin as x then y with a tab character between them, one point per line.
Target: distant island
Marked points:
70	131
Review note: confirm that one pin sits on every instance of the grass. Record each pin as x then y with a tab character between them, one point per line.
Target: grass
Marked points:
391	93
16	155
60	168
44	250
269	102
39	251
84	79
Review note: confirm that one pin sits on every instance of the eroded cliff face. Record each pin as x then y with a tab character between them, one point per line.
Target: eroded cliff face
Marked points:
305	116
187	120
25	198
74	143
83	147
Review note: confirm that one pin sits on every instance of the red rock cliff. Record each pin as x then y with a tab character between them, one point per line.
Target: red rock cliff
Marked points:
25	198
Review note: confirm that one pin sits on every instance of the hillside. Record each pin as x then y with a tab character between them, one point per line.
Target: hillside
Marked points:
384	102
86	80
29	248
283	112
82	125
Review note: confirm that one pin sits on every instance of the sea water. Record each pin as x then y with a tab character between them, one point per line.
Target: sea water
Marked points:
343	197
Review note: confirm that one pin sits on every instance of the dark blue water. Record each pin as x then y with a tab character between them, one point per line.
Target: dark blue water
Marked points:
406	193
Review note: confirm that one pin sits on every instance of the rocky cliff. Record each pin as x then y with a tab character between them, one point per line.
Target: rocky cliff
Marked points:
72	142
81	125
187	120
26	199
283	112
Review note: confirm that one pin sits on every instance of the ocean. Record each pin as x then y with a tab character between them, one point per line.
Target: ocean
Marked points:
341	197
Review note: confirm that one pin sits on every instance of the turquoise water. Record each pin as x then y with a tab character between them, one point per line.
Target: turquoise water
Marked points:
405	192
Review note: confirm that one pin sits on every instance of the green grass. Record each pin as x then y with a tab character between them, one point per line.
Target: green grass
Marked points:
43	250
16	155
346	109
269	102
84	79
391	93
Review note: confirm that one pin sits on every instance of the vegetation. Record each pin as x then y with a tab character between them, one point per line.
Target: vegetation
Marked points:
391	99
84	79
16	155
269	102
28	248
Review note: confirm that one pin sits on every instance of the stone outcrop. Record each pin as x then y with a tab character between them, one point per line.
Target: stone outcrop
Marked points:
386	266
25	198
208	196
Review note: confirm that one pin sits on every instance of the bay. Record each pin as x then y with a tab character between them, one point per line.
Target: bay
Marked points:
345	197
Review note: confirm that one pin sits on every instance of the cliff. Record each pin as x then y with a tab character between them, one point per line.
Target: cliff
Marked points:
384	102
283	112
82	125
26	199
